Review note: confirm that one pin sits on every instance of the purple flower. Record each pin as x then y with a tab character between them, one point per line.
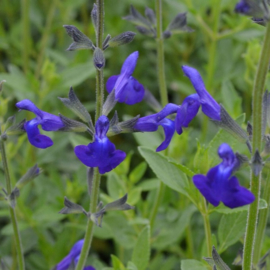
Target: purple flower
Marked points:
48	122
218	185
72	257
152	122
243	7
186	112
190	106
127	89
209	106
101	153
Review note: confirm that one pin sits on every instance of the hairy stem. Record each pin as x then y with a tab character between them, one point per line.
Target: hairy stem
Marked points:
258	90
12	212
263	216
99	102
160	55
90	225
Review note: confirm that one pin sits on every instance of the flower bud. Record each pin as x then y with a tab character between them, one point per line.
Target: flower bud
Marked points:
99	59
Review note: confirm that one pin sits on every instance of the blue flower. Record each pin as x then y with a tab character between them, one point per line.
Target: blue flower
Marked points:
190	106
243	7
72	257
101	153
48	122
186	112
127	89
218	185
152	122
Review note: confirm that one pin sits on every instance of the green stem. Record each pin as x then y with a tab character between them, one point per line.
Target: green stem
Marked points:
99	102
25	4
17	237
258	90
90	225
263	216
207	229
160	55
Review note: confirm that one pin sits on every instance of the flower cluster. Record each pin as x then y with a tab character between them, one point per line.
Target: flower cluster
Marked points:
123	88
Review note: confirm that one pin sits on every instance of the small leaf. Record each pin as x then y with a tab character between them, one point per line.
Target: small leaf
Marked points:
219	263
138	172
72	208
230	229
141	251
31	174
73	125
116	263
167	172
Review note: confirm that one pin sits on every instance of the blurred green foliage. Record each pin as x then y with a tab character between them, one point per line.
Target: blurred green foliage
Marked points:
224	47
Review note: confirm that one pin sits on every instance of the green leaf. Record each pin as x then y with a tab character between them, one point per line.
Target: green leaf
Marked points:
137	173
192	264
167	172
117	264
230	229
134	195
131	266
184	169
115	186
226	210
150	184
167	236
141	251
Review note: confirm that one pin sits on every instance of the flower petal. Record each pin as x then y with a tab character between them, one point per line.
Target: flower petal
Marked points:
235	196
204	185
169	128
34	136
102	127
187	111
130	64
111	83
209	106
131	93
28	105
51	122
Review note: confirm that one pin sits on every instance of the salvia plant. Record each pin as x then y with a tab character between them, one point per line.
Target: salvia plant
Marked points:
151	171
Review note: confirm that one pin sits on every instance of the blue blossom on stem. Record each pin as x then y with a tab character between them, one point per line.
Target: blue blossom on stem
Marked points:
48	122
218	185
151	123
127	89
190	106
72	257
101	153
242	7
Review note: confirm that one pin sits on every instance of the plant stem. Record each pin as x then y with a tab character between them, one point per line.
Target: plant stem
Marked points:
258	90
25	33
17	237
99	102
160	55
163	97
90	225
263	216
207	228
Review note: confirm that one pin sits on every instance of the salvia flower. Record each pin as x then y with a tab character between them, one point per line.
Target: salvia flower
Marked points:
218	185
151	123
191	104
72	258
127	89
256	8
48	122
101	153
